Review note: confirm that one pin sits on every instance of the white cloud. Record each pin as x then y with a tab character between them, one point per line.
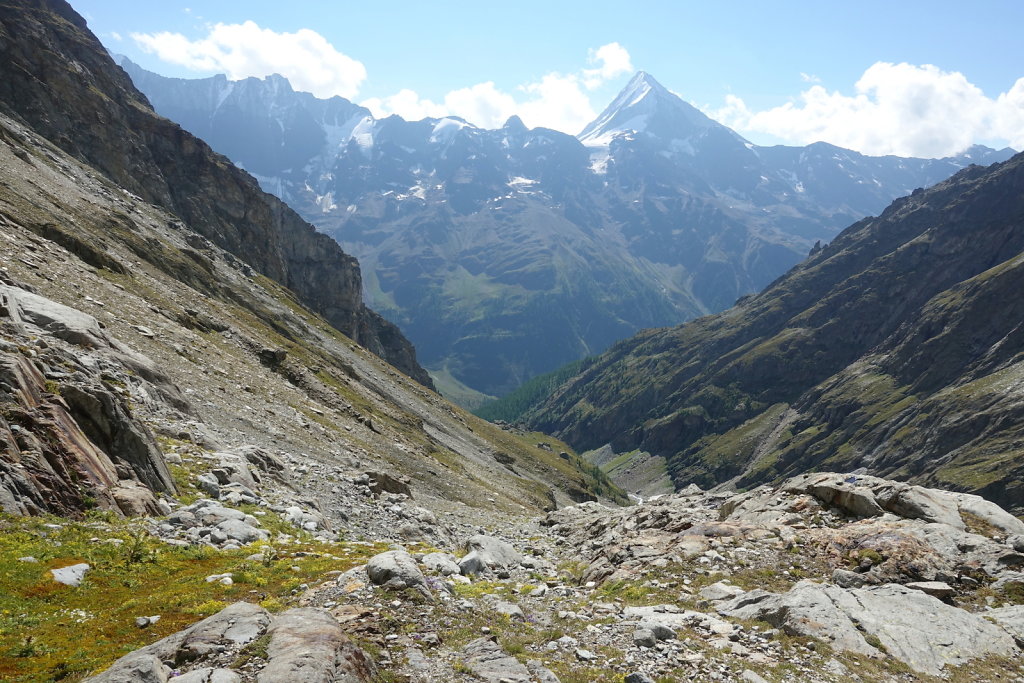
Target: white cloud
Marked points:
900	109
559	103
482	104
809	78
116	36
407	104
556	101
305	57
611	60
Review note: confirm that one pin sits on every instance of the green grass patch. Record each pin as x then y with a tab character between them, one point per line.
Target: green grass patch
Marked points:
42	621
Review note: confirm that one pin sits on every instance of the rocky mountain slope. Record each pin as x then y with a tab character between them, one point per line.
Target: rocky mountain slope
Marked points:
827	578
506	253
164	165
896	348
123	320
202	480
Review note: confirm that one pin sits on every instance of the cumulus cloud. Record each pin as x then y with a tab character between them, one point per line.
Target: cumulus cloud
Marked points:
304	57
901	109
557	100
407	103
610	61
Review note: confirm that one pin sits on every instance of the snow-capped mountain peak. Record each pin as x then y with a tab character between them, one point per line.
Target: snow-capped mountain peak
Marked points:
645	106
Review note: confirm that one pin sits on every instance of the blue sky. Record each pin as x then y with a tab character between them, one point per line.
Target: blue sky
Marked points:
923	78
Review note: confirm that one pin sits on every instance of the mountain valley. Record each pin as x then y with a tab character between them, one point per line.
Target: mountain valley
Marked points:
218	465
506	253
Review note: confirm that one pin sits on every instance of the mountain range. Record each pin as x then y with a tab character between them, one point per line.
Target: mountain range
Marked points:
210	472
505	253
149	287
897	349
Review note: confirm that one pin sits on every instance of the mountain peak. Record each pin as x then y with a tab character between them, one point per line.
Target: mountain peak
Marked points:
644	81
645	106
514	124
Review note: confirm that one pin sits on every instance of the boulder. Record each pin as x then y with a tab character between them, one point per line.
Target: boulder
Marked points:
506	609
916	502
264	461
540	673
243	532
143	668
846	492
135	500
395	569
638	677
72	575
488	553
915	628
233	468
938	589
441	563
720	591
488	662
644	637
989	512
382	482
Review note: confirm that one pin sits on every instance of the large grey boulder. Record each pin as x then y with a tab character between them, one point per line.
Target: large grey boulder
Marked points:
307	645
232	467
487	552
488	662
913	627
441	563
395	569
238	530
916	502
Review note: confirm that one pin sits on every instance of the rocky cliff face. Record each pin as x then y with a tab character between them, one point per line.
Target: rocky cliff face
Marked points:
61	81
69	438
894	348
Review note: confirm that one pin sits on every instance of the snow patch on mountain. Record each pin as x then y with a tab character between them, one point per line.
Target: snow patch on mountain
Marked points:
362	133
445	129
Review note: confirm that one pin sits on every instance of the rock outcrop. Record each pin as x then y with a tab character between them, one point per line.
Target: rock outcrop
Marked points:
895	565
78	98
915	628
69	438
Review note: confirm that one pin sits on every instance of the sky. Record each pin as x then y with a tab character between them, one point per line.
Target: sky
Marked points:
903	77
